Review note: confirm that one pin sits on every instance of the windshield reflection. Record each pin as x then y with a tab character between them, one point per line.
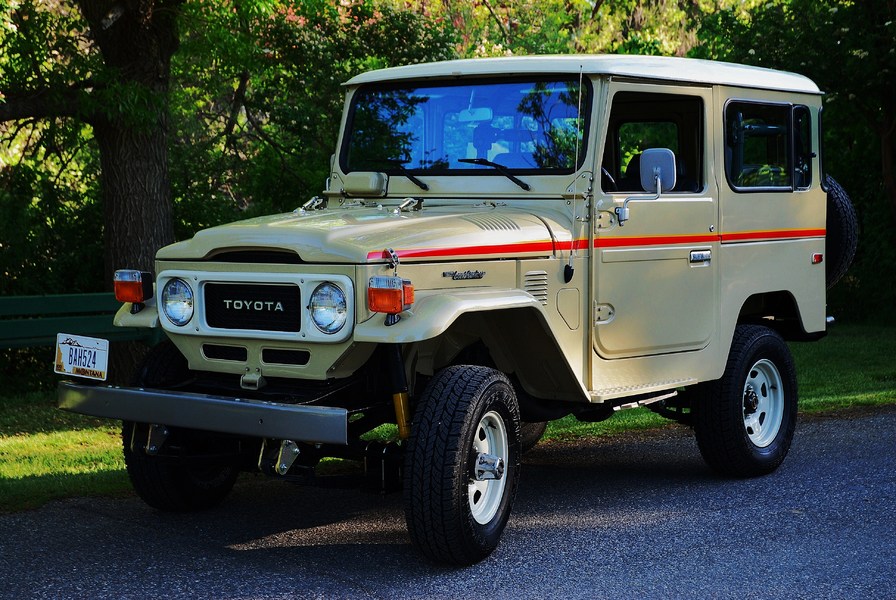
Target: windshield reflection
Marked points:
528	126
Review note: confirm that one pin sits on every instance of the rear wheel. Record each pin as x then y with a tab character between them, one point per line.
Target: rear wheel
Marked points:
462	464
173	483
744	422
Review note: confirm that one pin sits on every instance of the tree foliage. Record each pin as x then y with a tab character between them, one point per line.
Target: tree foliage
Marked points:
258	98
496	27
119	117
96	142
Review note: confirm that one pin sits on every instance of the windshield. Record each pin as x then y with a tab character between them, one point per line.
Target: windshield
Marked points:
524	125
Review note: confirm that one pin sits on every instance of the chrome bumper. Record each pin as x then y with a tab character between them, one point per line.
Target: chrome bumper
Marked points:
254	418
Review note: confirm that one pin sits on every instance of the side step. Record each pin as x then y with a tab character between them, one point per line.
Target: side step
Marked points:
616	393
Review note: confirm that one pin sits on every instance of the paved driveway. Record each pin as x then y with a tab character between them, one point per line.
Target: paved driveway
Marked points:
637	516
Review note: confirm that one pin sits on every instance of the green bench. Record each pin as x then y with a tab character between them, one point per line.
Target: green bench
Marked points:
27	321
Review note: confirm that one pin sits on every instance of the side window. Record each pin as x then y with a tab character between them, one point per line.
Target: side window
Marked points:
639	121
802	148
768	146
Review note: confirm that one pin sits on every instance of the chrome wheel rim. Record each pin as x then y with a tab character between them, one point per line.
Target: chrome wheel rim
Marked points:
485	495
763	403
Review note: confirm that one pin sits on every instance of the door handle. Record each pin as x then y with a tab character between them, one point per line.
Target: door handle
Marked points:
700	256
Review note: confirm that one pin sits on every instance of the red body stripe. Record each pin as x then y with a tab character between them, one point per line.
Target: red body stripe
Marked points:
547	246
658	240
773	235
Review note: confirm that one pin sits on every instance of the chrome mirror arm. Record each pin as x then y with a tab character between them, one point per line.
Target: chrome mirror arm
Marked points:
622	212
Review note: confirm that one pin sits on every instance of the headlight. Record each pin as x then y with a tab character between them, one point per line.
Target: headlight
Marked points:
177	301
328	308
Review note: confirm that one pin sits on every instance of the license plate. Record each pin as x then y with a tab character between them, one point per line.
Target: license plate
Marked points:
82	356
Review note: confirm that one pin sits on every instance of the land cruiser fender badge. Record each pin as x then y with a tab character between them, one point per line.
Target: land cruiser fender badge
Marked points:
462	275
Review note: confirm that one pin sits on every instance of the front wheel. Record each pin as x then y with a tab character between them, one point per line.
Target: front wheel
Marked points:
744	422
173	483
462	464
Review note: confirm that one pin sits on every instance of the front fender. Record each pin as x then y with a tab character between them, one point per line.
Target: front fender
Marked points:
434	312
147	317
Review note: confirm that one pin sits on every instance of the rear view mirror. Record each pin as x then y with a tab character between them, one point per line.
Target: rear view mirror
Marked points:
657	162
474	115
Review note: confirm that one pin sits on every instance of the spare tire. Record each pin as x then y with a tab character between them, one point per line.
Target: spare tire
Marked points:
842	232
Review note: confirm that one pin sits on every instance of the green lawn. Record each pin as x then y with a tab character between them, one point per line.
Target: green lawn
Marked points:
47	453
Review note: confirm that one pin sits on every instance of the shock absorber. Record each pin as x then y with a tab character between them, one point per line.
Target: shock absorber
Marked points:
400	398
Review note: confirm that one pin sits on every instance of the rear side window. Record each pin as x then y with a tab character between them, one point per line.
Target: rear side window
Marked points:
768	147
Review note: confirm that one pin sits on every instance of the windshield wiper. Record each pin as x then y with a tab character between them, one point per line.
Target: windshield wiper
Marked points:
399	164
499	168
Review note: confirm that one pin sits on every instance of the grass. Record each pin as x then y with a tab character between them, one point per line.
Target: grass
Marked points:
46	453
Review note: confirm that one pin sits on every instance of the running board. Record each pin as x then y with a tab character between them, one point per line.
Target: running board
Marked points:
607	394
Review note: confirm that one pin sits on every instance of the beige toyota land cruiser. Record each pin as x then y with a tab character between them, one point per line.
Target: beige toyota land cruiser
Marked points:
501	242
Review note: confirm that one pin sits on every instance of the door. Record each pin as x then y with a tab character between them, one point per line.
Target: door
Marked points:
656	275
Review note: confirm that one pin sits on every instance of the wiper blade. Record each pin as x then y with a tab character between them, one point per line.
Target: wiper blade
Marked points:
499	168
399	164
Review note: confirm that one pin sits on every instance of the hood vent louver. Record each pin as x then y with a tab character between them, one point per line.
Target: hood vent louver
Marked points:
492	222
536	283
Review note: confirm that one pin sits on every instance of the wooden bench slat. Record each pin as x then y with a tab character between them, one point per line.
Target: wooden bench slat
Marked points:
27	321
20	306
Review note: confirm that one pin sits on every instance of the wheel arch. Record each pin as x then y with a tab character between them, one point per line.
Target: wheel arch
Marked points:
778	310
507	340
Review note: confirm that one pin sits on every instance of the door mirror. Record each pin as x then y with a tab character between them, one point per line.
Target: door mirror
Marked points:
657	164
657	176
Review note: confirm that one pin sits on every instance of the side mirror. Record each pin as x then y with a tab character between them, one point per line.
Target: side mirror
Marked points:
658	164
658	173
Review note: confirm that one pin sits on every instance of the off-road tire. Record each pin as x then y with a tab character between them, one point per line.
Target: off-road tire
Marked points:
445	520
842	232
170	483
734	437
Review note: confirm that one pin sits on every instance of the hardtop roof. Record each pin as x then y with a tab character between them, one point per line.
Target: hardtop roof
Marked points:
665	68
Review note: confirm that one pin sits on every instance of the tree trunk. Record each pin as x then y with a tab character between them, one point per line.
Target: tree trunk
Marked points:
137	39
136	195
137	214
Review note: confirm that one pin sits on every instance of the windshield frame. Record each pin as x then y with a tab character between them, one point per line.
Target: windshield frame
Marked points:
584	114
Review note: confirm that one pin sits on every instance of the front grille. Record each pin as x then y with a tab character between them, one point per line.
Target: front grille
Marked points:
253	306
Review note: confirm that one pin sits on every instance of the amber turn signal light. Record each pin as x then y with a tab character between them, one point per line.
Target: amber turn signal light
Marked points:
390	295
132	286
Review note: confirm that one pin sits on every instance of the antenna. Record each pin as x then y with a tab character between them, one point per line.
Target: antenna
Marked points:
569	270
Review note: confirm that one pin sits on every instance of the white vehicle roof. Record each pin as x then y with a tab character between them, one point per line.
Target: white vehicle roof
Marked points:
687	70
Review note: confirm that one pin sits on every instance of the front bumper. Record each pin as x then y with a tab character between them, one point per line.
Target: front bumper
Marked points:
256	418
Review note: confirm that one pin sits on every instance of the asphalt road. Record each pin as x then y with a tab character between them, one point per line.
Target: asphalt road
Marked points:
637	516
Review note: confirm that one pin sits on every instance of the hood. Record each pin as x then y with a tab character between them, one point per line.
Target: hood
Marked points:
360	234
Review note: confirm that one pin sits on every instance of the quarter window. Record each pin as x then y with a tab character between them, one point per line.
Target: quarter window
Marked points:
768	146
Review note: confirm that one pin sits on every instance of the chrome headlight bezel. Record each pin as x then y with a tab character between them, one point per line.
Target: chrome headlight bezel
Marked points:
328	308
178	301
